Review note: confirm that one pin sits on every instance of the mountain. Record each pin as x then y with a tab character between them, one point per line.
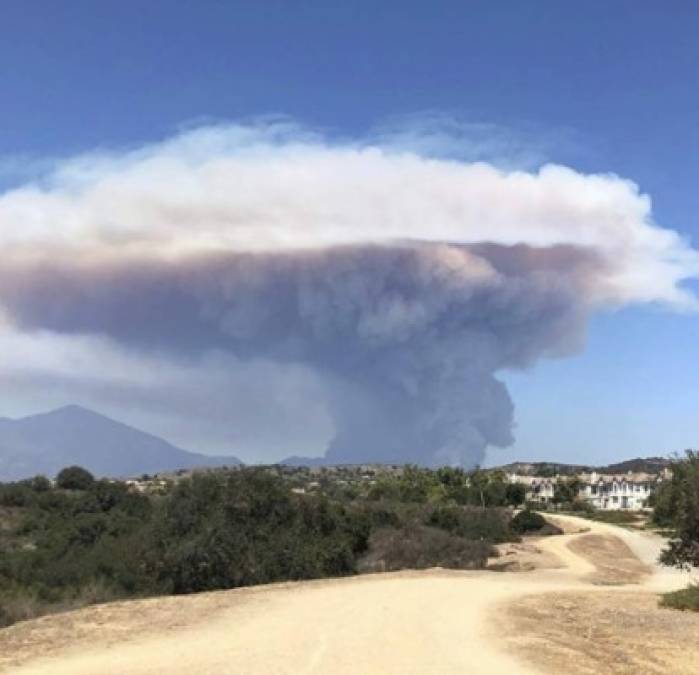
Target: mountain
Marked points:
541	468
48	442
639	465
295	460
651	465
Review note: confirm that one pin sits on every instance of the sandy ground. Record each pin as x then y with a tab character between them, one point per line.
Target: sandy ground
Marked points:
591	633
554	616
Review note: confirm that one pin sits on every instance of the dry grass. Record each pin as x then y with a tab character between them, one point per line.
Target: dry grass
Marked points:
615	562
9	517
106	624
523	557
589	633
421	547
22	605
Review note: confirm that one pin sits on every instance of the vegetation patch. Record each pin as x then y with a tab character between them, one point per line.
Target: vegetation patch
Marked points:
686	599
531	522
422	547
83	540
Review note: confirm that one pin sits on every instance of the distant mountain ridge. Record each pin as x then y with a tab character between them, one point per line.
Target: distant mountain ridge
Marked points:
47	442
652	465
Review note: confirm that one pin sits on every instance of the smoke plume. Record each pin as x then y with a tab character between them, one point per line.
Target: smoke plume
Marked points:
406	283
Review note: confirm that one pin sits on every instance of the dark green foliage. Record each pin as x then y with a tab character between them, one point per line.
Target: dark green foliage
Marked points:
74	478
73	547
567	491
448	484
222	531
526	522
685	599
473	523
679	507
665	503
415	486
379	514
515	494
16	494
39	484
583	508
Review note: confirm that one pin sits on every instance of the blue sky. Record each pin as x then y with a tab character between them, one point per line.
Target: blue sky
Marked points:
602	86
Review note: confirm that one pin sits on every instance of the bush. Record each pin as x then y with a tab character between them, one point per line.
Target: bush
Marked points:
527	521
75	478
665	504
420	548
39	484
686	599
223	531
16	494
583	508
473	523
681	508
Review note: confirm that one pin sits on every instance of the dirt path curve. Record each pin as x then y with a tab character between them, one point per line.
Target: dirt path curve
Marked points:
408	623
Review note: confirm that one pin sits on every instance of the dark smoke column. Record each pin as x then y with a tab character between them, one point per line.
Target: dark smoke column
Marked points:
407	337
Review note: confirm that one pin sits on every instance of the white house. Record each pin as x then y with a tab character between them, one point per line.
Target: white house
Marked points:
608	492
626	491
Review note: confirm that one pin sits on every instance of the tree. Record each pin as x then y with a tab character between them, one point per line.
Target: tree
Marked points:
75	478
664	504
478	481
416	484
515	494
567	491
40	484
681	504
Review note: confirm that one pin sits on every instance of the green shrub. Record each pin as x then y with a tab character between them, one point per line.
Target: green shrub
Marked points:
223	531
16	494
489	524
685	599
583	508
74	478
39	483
526	522
682	511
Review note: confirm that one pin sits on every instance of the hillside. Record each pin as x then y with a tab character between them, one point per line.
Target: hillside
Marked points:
638	464
45	443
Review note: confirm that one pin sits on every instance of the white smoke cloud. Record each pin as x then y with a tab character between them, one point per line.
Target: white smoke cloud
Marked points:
404	282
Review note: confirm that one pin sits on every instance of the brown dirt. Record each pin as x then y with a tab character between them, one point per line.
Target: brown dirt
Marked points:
379	624
589	633
614	561
523	557
110	624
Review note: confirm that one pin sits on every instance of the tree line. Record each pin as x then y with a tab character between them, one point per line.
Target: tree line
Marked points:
82	540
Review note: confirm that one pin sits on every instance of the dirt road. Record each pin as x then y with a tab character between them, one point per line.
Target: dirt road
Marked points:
435	621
